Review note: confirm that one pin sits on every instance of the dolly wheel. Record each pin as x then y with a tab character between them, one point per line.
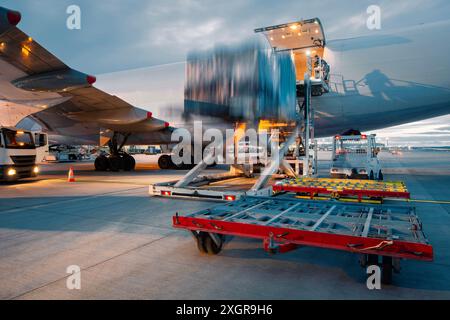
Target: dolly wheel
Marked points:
201	237
380	176
386	270
211	246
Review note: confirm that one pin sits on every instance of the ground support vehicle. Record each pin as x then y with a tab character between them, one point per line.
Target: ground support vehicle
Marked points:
381	234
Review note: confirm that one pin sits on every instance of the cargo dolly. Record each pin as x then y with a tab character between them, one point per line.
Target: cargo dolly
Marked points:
380	234
350	190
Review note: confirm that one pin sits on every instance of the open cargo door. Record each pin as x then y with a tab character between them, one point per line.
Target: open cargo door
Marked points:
305	39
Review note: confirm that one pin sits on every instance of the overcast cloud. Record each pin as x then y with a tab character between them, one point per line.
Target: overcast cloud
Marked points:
119	35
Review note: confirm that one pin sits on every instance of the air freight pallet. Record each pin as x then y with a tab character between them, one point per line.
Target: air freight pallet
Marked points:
283	224
343	189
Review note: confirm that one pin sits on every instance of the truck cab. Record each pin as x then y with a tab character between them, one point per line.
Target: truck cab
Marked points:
17	154
355	157
41	143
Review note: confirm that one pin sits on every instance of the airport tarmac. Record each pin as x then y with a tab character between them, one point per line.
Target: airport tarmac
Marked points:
123	241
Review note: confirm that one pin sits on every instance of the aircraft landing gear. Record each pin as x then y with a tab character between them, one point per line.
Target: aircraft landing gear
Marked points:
101	163
118	159
165	162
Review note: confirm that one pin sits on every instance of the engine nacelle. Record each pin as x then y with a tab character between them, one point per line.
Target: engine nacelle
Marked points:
8	19
55	81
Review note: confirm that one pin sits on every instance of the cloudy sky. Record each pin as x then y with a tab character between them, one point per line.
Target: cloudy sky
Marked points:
120	35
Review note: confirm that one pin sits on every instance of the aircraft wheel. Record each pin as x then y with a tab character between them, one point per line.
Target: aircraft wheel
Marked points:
101	163
128	162
115	163
380	176
211	246
164	162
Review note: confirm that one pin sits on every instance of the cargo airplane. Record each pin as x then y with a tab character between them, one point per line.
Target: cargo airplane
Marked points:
376	81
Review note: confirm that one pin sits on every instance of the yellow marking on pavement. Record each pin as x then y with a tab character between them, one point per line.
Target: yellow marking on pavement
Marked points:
423	201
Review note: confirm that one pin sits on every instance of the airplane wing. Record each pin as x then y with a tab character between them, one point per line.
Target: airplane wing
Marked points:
61	99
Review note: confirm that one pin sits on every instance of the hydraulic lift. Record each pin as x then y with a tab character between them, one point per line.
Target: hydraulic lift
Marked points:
343	189
193	185
303	39
381	234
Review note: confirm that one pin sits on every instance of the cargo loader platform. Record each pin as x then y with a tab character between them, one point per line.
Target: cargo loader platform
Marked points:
350	190
380	234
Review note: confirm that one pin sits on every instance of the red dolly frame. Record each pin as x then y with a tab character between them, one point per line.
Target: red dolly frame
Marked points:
288	239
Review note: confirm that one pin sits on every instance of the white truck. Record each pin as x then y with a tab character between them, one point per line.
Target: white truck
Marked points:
20	152
355	157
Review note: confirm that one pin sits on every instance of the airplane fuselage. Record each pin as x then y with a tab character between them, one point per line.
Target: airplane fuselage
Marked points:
377	81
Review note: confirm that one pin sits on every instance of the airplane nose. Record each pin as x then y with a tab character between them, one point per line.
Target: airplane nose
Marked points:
14	17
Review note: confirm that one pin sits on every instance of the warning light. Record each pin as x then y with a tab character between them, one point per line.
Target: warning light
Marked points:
166	193
25	51
230	198
338	137
363	136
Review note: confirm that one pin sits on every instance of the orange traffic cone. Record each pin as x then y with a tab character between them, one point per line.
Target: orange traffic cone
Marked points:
71	176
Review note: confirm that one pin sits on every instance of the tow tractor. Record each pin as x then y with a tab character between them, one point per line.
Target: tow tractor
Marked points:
355	157
19	152
62	153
